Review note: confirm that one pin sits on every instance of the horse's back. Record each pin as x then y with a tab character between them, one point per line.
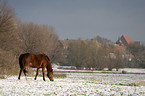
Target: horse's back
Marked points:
34	60
24	56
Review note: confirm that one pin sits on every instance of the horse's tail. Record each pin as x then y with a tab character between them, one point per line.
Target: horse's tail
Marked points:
20	61
21	64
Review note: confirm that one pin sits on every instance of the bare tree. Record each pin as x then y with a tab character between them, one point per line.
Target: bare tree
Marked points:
49	41
8	38
119	61
39	39
29	35
7	26
7	15
83	53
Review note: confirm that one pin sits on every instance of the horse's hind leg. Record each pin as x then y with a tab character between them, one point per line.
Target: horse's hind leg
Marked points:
20	74
25	73
37	73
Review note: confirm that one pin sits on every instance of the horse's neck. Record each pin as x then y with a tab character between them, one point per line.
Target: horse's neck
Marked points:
49	68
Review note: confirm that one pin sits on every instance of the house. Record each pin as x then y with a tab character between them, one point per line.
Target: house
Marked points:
124	40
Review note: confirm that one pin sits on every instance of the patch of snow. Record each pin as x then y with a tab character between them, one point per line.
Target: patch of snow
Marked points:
133	70
74	84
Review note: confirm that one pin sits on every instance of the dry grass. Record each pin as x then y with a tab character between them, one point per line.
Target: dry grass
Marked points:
142	83
60	75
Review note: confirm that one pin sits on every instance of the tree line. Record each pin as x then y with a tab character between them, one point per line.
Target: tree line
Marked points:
100	53
92	54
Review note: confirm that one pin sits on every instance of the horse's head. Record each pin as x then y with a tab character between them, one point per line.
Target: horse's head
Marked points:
50	75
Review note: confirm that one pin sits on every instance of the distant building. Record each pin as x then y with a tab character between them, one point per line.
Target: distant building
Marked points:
124	40
65	43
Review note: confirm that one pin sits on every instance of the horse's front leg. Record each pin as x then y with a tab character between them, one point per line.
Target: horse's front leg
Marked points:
43	72
37	73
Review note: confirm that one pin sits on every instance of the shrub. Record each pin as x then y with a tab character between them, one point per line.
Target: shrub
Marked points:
124	72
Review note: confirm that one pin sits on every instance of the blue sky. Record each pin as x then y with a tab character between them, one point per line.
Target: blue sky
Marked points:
86	19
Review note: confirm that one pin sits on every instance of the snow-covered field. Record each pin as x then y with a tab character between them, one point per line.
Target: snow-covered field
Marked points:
76	84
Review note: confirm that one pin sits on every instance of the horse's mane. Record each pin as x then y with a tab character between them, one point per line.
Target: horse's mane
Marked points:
46	56
49	61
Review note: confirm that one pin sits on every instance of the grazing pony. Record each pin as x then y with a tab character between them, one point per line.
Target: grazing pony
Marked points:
35	61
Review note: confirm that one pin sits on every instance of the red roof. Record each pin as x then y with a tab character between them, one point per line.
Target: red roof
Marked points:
125	40
128	39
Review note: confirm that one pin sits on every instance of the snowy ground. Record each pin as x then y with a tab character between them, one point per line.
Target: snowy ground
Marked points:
76	84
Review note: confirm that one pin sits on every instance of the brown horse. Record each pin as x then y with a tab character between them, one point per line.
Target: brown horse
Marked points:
35	61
